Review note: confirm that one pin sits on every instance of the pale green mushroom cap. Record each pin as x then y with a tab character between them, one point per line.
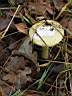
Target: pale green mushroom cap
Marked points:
51	34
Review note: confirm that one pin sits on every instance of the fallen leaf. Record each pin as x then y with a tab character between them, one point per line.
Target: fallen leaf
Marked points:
5	88
21	27
50	8
23	77
67	23
37	7
26	48
3	23
59	4
70	25
10	78
1	94
32	93
15	63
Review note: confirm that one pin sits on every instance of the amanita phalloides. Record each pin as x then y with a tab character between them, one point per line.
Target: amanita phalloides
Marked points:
46	33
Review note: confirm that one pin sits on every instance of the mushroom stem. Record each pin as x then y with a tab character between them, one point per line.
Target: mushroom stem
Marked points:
45	52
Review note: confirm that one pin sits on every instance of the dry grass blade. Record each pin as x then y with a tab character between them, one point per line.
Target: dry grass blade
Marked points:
10	22
62	10
52	61
7	8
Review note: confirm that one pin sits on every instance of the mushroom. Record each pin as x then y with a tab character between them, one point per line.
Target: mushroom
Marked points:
46	33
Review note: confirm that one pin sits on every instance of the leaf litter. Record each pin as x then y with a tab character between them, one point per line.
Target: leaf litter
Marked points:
19	62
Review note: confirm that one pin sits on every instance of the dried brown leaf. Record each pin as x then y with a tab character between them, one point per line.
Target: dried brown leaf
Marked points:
5	88
21	27
24	76
10	78
67	23
1	94
49	8
32	93
59	4
3	23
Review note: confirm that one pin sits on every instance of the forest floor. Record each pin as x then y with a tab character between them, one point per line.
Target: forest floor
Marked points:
22	71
